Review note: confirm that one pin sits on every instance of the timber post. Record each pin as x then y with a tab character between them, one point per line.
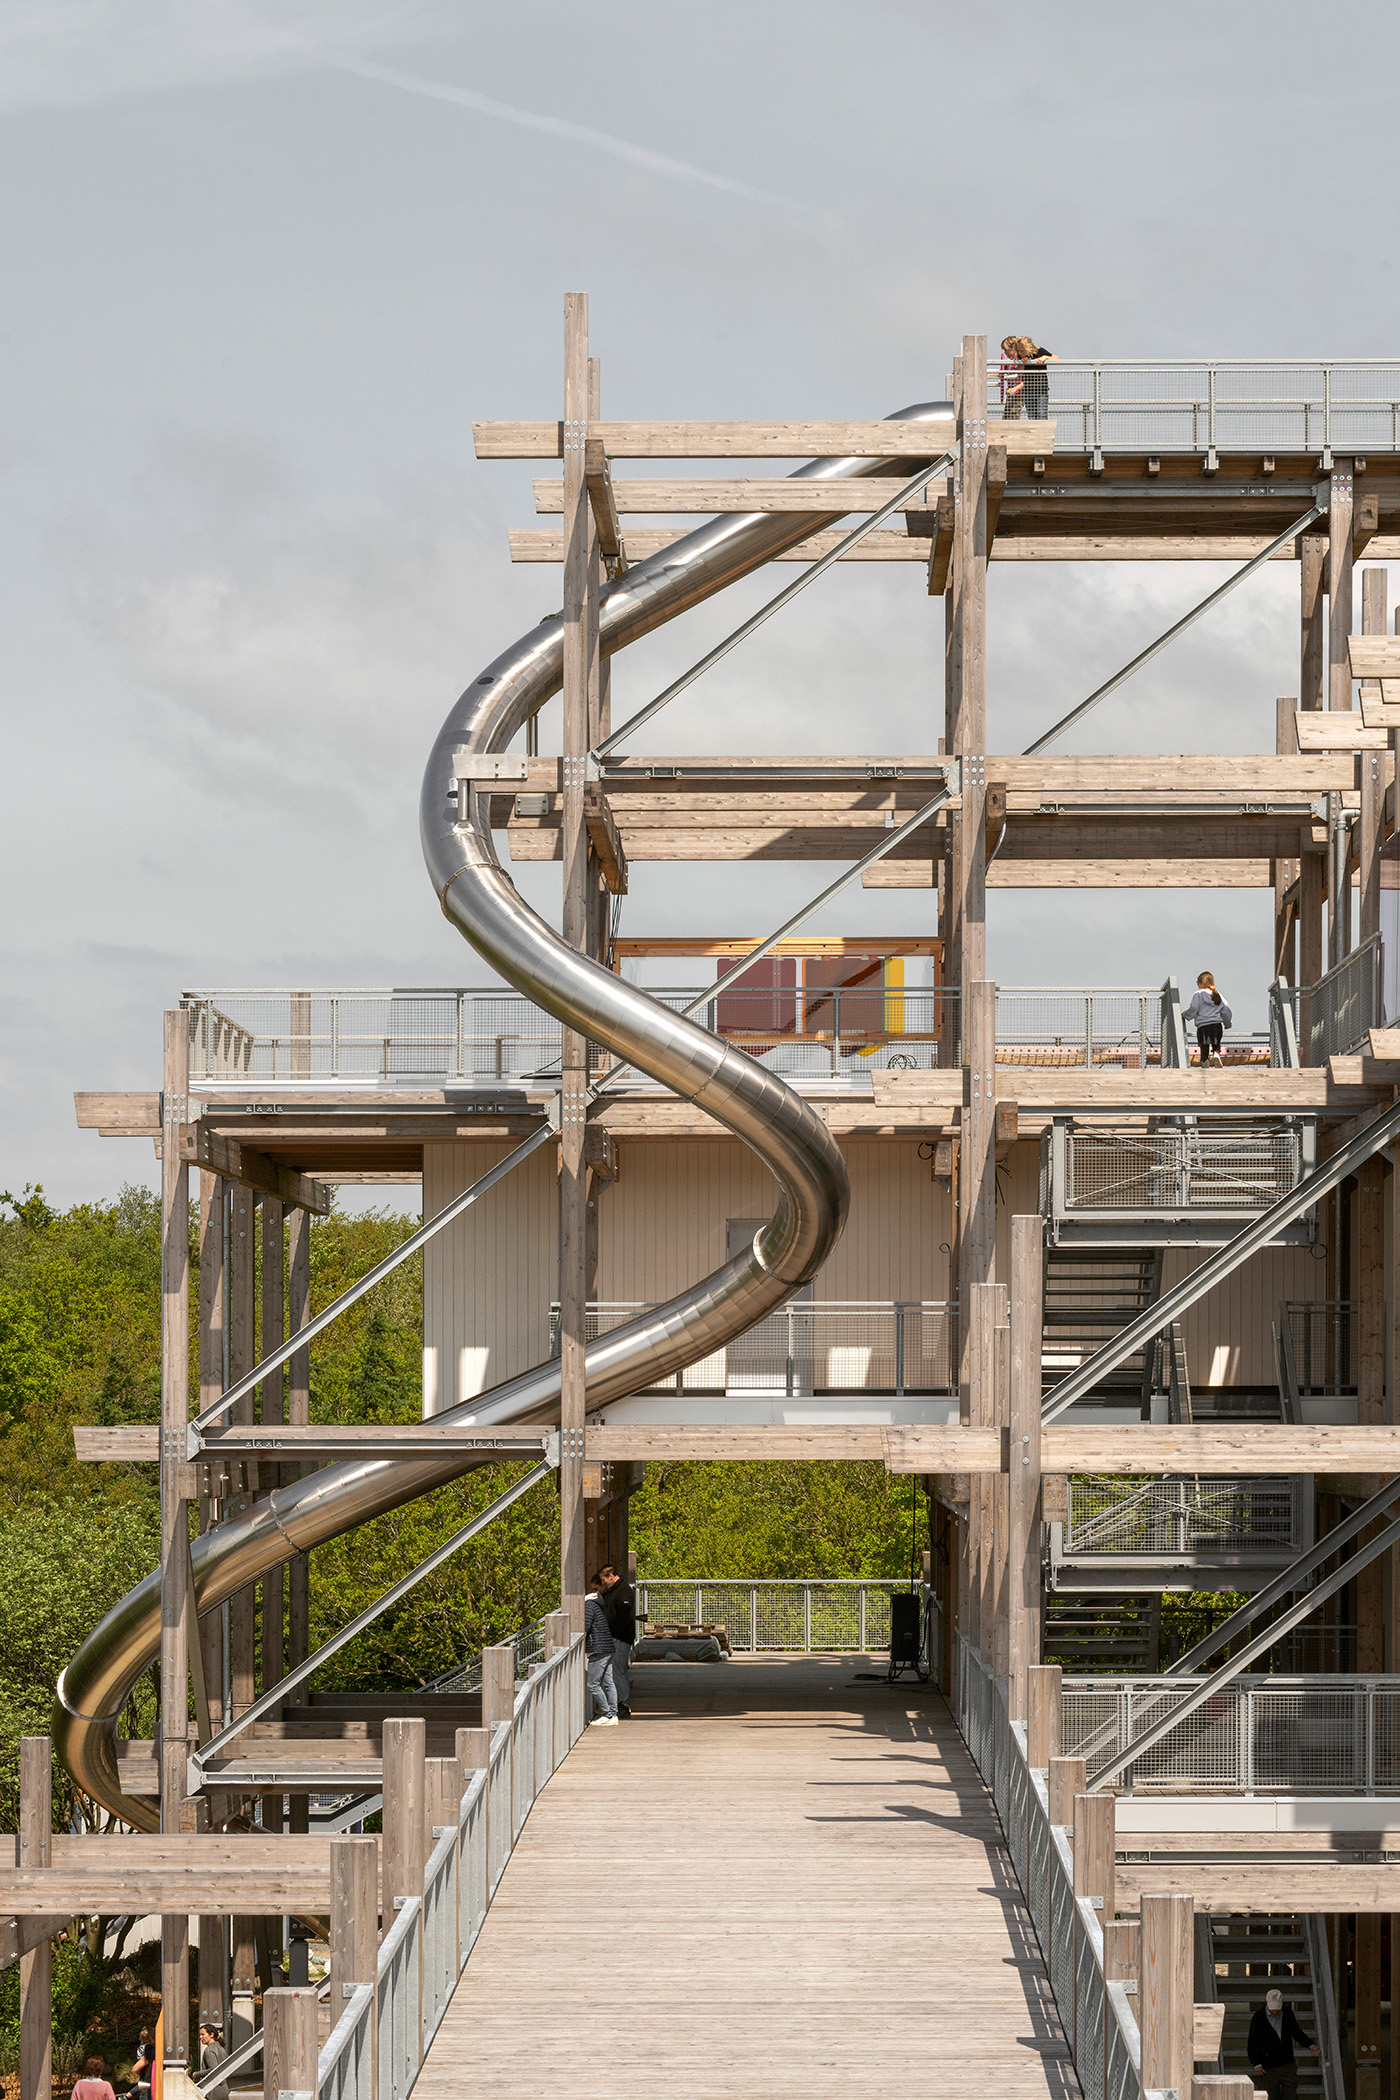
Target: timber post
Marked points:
1066	1777
355	1932
1166	2000
174	1515
33	1849
290	2049
1023	1485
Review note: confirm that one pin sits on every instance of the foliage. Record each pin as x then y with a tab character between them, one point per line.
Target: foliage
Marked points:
776	1521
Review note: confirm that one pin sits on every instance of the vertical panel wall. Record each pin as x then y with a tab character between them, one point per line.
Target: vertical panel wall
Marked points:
489	1279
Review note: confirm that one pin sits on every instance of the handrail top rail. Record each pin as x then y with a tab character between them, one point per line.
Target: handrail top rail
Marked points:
406	1916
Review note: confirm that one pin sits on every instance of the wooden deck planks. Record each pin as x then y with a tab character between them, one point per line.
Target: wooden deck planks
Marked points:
775	1880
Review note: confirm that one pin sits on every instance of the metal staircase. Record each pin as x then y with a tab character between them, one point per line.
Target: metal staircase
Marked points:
1118	1634
1239	1959
1090	1293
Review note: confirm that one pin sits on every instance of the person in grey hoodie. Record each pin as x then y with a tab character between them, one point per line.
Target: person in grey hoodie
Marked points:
1211	1016
598	1657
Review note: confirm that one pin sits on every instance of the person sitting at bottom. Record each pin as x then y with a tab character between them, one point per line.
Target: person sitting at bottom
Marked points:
211	2054
1272	2033
598	1658
93	2083
1211	1017
620	1604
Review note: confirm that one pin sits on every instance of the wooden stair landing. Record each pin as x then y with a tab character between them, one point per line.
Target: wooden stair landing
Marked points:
774	1881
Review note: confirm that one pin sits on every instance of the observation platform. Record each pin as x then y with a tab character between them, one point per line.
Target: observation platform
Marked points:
743	1871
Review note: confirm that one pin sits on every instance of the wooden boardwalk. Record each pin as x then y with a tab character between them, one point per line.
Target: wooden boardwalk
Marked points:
776	1880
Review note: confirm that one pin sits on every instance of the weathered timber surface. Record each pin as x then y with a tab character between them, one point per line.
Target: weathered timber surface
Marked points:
811	1874
1200	1447
886	439
1283	1887
214	1875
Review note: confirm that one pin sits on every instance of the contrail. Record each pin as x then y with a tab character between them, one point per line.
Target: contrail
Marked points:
559	128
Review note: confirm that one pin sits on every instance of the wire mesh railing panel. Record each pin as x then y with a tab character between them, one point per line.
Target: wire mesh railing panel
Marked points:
1080	1025
1323	1334
1061	1949
1179	1170
1017	1802
1345	1005
1088	2006
850	1618
1175	1516
1121	2060
1306	1742
813	1349
1206	406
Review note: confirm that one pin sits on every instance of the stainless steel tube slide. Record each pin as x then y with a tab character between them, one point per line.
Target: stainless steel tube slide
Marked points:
752	1102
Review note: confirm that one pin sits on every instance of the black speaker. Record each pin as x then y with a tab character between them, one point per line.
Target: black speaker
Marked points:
904	1627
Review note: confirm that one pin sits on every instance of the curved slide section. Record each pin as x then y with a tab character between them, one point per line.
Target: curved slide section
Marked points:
480	899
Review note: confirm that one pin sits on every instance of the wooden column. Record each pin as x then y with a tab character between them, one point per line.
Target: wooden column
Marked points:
580	688
299	1414
405	1821
1312	670
1166	1995
33	1848
290	2046
272	1408
970	616
1067	1776
1094	1856
1043	1714
1339	618
1023	1499
1372	1583
1285	871
1367	2038
213	1315
174	1514
355	1926
999	1543
242	1226
1371	767
951	901
1312	892
977	1189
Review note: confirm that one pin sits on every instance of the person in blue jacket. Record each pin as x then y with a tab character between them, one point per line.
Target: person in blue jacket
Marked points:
1211	1016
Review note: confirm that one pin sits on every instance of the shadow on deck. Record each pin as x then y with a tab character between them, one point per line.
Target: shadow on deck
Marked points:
781	1877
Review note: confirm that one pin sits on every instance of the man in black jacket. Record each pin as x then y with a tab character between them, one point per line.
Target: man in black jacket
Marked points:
1272	2033
620	1604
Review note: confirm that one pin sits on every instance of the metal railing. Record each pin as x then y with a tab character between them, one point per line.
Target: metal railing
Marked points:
422	1956
1115	1174
1096	2013
841	1617
529	1643
1334	1016
1206	406
484	1036
895	1348
478	1036
1274	1734
1317	1348
1179	1516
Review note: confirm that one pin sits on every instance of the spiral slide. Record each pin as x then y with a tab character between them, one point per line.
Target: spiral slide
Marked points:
478	896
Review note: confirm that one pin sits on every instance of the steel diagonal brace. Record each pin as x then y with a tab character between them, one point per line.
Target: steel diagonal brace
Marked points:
1209	1688
301	1671
549	1128
1187	620
851	539
1256	1234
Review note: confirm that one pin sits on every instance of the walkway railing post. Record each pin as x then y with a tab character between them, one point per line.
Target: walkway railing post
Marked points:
1122	1952
1166	2001
406	1828
355	1933
289	2042
445	1786
557	1635
498	1705
1043	1714
36	1967
1067	1778
1094	1850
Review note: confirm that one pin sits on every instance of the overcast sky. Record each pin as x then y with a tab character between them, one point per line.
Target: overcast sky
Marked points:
264	264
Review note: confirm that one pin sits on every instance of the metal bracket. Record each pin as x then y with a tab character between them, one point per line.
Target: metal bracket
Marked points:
551	1449
571	1443
473	766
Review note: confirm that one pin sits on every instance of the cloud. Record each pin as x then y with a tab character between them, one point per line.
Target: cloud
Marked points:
559	128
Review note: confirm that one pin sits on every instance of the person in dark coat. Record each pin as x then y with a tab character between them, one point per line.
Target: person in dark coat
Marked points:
620	1604
1272	2033
598	1658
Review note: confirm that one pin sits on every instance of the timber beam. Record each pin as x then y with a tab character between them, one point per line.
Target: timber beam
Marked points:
605	838
886	439
597	479
1155	1450
532	544
203	1147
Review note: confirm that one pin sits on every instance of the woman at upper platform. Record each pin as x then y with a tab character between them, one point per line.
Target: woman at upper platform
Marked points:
1025	383
1211	1016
